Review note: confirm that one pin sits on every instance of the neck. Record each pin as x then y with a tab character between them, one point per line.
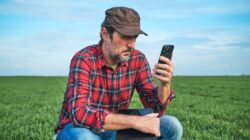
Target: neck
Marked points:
110	62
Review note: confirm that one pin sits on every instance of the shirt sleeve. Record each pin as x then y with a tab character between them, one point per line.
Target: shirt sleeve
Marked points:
81	111
148	91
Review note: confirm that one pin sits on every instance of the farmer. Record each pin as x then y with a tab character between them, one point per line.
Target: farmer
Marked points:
102	80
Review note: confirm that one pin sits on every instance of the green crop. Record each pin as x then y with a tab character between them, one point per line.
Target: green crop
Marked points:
210	108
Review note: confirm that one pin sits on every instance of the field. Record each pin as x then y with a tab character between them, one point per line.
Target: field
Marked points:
210	108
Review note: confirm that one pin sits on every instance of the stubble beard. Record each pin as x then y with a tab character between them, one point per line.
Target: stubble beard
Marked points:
119	58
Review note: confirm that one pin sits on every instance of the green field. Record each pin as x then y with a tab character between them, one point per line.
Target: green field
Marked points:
210	108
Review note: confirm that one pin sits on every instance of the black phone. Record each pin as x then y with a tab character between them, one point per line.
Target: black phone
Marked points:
166	51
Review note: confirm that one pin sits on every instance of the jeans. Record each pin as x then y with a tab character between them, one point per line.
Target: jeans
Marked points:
170	127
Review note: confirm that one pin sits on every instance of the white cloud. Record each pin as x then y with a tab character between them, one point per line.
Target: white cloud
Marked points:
191	9
203	52
62	10
201	49
45	53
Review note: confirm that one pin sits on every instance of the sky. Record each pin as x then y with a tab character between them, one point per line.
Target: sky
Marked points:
211	37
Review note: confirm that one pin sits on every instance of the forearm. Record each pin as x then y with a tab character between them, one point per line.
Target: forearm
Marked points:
120	121
164	92
147	124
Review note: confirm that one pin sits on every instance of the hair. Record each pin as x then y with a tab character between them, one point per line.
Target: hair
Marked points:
110	31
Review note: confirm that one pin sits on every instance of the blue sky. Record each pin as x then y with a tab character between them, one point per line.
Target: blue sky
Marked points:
211	37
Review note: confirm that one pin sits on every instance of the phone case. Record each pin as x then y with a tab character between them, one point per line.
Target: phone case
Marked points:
166	51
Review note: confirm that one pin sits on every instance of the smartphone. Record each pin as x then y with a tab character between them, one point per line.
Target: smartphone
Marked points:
166	51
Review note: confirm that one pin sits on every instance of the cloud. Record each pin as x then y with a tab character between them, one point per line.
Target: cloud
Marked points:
192	9
204	52
40	37
44	53
63	10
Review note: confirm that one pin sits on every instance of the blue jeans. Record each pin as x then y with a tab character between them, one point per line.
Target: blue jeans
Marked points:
170	127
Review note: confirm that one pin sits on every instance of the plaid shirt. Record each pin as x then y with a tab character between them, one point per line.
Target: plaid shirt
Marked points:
95	90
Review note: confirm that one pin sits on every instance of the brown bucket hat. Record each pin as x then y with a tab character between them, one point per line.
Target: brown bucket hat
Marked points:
124	20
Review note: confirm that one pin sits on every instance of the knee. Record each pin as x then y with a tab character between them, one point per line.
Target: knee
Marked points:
77	134
176	124
82	136
172	125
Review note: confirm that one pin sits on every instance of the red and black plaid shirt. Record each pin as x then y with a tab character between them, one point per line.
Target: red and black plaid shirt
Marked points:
95	90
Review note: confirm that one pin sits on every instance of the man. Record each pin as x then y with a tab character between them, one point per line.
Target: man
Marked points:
102	80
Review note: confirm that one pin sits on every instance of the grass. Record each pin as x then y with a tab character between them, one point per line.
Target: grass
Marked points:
210	108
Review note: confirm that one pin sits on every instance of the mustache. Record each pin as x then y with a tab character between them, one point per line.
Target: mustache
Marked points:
128	50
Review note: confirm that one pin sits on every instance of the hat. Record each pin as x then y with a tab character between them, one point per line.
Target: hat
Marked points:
124	20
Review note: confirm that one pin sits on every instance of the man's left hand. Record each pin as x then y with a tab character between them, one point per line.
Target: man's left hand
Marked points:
163	72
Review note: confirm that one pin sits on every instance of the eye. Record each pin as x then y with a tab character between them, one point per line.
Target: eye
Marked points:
128	37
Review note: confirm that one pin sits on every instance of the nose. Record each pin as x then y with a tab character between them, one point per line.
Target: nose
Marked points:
131	45
131	42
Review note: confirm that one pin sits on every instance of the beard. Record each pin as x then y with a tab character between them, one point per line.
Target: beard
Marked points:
121	58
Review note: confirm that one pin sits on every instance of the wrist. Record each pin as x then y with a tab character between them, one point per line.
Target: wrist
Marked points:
164	92
135	123
165	85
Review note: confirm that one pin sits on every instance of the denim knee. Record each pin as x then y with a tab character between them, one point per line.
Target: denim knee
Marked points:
170	127
74	133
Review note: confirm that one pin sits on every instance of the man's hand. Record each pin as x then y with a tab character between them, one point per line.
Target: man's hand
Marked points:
164	73
149	124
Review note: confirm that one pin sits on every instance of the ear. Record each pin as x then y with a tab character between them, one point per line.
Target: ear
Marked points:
104	33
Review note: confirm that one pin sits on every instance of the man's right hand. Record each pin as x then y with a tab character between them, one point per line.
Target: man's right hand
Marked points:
149	124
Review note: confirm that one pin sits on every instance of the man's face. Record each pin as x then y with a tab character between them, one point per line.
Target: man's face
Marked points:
121	46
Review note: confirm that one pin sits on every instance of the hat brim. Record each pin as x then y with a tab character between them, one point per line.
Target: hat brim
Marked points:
130	31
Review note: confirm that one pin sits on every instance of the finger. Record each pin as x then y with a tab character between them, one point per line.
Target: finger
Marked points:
158	134
163	67
153	114
165	59
162	78
161	72
166	67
